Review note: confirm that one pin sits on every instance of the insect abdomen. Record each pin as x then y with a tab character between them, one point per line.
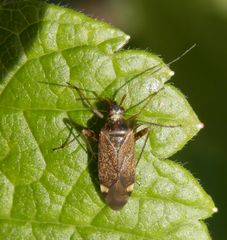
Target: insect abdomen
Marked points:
117	195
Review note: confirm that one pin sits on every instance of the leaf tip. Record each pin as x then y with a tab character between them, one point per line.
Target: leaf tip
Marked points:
171	73
200	125
214	209
127	37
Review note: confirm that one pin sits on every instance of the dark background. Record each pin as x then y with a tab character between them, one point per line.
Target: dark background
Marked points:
168	28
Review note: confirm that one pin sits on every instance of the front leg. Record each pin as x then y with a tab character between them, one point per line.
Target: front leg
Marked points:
141	133
90	134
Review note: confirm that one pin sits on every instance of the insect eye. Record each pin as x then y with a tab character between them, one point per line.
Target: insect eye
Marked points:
115	108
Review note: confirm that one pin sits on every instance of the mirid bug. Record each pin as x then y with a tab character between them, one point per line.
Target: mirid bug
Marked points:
116	157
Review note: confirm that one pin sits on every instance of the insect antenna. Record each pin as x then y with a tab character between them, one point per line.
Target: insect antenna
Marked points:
156	68
134	77
182	55
152	95
122	100
148	98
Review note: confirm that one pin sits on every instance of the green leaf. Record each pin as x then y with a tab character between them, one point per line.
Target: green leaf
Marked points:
47	194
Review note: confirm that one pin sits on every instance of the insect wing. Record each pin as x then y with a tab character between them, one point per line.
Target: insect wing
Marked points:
126	160
108	164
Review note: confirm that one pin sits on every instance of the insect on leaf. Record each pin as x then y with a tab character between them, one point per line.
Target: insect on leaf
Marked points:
47	194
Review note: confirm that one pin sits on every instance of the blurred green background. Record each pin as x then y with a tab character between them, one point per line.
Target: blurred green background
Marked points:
167	28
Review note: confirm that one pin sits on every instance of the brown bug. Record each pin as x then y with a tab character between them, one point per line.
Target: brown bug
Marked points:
116	150
116	157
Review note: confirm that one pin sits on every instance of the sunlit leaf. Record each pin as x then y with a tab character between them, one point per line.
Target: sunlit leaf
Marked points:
47	194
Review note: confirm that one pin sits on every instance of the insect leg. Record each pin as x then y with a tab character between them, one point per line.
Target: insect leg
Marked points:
86	100
90	134
83	98
138	135
67	141
141	133
160	125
